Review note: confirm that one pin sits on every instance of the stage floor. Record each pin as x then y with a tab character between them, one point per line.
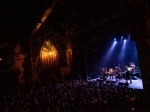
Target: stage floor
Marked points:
137	84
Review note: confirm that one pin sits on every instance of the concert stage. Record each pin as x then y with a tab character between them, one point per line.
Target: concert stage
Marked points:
137	84
137	74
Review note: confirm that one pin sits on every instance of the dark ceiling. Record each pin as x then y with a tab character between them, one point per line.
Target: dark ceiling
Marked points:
78	17
84	21
18	18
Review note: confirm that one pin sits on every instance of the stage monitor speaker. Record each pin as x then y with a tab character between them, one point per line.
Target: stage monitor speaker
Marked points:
107	82
101	77
120	84
134	78
100	80
89	78
113	82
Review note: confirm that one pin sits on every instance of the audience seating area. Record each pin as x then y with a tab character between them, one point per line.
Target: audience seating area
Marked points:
71	96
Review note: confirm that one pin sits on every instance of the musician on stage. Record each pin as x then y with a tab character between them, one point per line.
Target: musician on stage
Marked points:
103	74
117	72
106	72
127	74
110	72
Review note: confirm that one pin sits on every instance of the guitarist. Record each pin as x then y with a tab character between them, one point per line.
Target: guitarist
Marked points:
110	72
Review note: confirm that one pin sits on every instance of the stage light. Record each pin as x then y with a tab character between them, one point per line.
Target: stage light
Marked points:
0	58
125	40
115	42
115	39
122	37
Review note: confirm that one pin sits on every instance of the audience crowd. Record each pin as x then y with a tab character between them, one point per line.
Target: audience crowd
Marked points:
72	96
